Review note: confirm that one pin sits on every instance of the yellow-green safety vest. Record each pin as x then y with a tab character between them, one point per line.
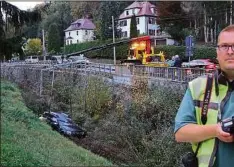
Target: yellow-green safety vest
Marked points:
207	150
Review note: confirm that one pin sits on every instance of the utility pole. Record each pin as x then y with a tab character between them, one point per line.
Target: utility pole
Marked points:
43	41
113	28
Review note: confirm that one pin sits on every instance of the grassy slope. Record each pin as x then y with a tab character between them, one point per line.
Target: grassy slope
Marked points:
25	141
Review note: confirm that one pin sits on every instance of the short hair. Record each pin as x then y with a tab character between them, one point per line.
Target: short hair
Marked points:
229	28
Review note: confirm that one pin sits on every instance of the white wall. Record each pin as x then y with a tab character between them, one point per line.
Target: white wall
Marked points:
170	41
141	26
81	37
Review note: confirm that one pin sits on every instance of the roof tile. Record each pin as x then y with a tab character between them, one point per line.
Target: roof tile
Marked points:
145	9
81	24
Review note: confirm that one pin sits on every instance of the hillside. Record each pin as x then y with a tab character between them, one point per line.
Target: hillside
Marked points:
25	141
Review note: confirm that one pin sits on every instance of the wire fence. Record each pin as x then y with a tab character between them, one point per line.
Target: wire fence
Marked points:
113	103
19	71
71	80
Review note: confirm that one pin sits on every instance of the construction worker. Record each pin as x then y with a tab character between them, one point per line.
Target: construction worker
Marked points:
212	146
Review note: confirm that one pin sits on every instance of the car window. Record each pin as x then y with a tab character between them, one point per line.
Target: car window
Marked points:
197	62
73	126
49	115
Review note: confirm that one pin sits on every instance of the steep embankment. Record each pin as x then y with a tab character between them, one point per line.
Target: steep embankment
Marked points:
25	141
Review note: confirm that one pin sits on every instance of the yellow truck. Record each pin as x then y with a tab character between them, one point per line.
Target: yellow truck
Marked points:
141	53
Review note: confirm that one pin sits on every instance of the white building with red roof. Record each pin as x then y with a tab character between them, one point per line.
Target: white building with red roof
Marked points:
146	14
82	30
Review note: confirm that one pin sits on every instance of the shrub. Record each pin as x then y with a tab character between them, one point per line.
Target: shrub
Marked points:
200	52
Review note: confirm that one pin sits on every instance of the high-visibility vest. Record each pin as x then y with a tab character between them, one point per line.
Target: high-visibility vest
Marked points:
206	152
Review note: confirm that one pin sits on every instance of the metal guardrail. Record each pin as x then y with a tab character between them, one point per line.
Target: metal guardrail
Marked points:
168	73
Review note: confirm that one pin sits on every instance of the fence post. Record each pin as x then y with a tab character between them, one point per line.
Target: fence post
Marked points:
41	82
51	92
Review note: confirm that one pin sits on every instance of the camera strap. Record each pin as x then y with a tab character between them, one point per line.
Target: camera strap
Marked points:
205	105
206	100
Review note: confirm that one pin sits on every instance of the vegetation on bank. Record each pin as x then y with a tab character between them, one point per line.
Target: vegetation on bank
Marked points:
200	52
26	141
128	125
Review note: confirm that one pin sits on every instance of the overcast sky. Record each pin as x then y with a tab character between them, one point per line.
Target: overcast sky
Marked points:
25	5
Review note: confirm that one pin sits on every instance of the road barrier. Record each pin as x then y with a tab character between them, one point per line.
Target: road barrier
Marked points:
168	73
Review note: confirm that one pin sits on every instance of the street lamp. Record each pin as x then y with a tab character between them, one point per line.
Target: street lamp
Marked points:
113	29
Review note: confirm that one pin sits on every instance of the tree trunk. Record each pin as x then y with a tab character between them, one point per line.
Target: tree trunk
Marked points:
1	19
215	31
211	32
226	16
230	12
195	24
6	22
205	27
212	35
207	34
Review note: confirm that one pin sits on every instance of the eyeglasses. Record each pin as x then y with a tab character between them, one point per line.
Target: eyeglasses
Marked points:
225	48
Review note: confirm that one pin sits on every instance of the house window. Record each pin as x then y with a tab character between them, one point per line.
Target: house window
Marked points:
151	32
86	32
70	41
152	20
77	41
159	32
123	23
127	13
77	33
138	20
69	33
124	34
138	32
67	42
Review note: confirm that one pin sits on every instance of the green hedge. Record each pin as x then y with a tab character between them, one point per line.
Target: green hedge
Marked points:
122	50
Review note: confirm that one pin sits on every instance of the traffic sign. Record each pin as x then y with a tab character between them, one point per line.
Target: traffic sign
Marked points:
189	46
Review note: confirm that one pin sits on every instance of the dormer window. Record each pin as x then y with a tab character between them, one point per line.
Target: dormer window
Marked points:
77	33
133	11
127	13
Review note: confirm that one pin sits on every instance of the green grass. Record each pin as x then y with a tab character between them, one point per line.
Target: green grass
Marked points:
26	141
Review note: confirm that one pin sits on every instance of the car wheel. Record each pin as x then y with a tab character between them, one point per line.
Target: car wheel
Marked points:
62	132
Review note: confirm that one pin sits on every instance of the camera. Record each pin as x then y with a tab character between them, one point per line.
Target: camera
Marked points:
228	125
190	160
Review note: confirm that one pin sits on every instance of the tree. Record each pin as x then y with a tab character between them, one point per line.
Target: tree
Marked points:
58	13
108	9
80	9
33	47
173	20
133	27
54	39
12	20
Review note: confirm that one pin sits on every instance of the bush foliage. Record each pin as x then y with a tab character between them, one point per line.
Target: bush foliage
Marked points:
26	141
131	126
200	52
